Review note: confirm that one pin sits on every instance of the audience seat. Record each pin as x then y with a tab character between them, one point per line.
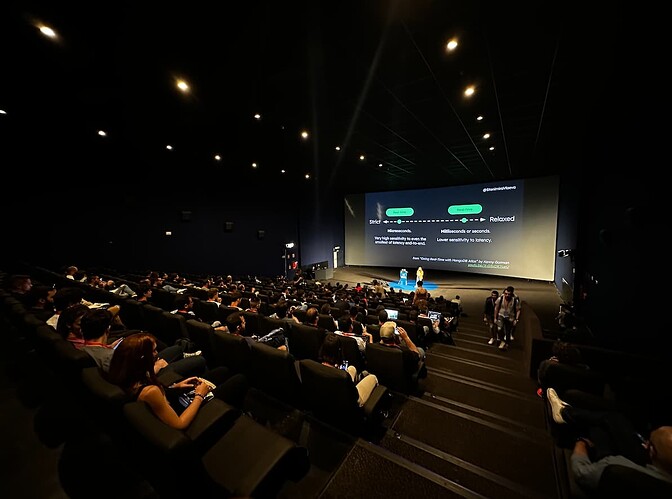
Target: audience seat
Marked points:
251	460
305	341
388	365
153	319
201	333
329	394
275	372
253	324
221	454
132	314
326	321
231	351
208	311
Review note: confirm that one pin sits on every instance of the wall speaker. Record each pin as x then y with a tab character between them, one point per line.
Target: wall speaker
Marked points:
261	234
228	226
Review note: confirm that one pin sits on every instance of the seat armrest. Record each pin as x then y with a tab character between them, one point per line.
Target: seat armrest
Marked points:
154	431
375	401
212	420
251	460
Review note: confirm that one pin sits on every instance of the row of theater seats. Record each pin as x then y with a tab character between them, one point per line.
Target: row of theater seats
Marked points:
272	371
116	447
304	342
607	380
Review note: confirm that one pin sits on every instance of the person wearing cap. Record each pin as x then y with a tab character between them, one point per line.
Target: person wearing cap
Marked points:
393	336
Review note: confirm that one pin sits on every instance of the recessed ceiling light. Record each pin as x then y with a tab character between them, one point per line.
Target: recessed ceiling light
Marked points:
218	157
451	45
282	171
469	91
47	31
257	116
492	148
307	175
479	118
169	147
380	165
486	136
254	165
304	135
102	133
361	157
338	148
182	85
2	111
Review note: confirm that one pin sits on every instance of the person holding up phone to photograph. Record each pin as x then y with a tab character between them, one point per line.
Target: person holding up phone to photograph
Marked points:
396	337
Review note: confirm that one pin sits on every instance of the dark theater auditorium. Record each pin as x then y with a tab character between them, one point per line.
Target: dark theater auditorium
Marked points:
332	249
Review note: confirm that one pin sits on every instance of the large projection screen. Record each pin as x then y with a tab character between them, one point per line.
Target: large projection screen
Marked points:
505	228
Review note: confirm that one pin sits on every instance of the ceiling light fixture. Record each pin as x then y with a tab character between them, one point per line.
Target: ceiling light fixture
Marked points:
257	116
361	157
451	45
47	31
304	135
469	91
486	136
102	133
169	147
182	85
254	165
218	157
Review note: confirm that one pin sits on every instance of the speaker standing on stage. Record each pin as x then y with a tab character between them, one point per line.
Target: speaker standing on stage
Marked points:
419	275
403	277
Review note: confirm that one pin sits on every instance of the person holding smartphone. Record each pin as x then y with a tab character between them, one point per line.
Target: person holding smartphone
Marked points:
396	337
132	368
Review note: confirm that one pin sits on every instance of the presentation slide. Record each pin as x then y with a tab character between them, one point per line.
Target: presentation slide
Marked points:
505	228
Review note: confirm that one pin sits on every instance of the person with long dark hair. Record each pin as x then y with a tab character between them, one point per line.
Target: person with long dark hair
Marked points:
132	368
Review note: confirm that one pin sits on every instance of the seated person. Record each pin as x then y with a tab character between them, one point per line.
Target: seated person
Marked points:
95	326
235	324
39	301
397	337
345	328
607	437
331	355
563	353
133	369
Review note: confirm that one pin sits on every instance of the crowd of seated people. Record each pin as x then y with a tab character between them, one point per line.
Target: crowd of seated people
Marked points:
615	428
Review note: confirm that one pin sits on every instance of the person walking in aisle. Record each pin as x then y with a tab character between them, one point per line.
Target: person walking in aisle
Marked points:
507	314
489	316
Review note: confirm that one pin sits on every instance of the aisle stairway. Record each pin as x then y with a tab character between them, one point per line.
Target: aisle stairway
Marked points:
478	430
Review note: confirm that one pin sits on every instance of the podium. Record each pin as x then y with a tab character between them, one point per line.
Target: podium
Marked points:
322	274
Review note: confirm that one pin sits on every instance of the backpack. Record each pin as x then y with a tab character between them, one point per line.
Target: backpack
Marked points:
275	338
516	302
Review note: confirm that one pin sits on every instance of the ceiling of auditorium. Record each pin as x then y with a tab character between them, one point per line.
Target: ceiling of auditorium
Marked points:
373	78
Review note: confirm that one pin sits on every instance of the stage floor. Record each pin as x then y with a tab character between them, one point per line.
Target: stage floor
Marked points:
473	289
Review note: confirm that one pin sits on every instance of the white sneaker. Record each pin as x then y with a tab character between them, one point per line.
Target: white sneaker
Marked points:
556	405
502	345
194	354
491	341
511	337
